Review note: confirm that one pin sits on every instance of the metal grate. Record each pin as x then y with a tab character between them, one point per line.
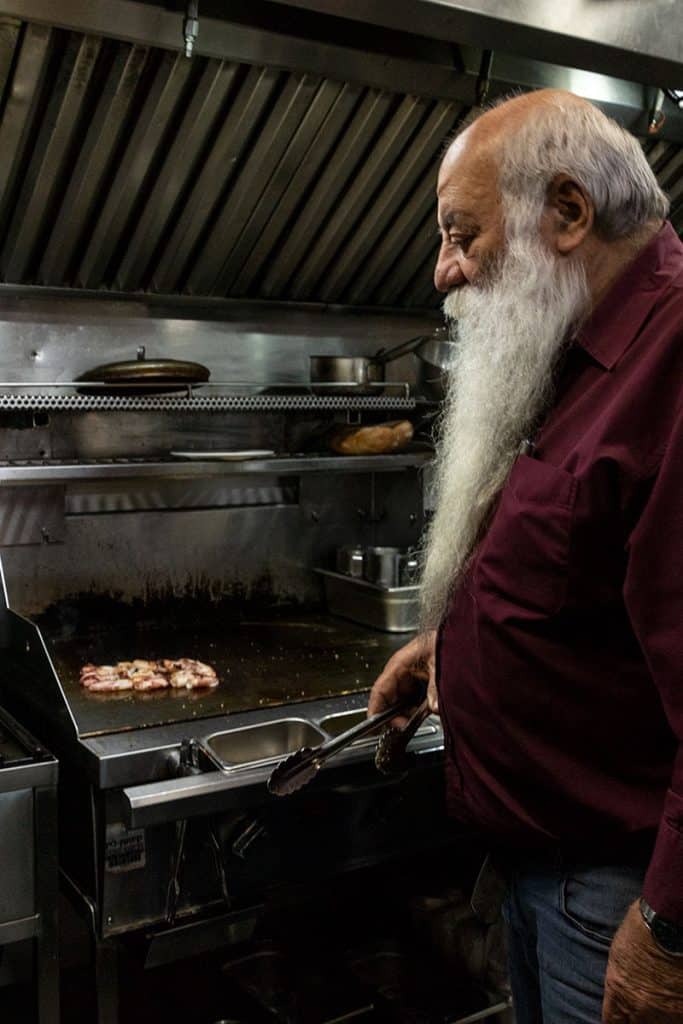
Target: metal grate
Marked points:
209	403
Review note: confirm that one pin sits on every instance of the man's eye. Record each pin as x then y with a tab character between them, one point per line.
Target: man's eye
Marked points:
462	241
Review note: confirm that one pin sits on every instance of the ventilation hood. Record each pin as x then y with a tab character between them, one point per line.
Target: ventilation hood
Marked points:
293	157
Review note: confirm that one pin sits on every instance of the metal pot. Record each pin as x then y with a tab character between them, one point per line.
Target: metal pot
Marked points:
357	374
339	375
435	356
365	374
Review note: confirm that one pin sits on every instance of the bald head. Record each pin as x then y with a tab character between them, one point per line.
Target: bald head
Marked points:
547	162
491	128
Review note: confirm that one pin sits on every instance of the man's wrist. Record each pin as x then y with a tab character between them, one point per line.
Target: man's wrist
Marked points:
667	935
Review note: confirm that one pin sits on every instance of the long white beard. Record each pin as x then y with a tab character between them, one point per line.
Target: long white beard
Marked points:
510	333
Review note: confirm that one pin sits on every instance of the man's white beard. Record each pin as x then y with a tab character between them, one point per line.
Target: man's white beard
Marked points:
510	333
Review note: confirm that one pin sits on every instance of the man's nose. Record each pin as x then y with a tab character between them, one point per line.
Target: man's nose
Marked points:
447	272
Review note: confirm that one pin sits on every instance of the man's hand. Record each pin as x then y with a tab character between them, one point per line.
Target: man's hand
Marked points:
643	984
403	675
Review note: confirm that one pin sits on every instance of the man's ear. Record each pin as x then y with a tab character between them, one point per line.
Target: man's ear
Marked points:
569	214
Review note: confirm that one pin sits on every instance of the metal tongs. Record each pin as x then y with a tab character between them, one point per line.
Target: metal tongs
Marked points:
299	768
390	756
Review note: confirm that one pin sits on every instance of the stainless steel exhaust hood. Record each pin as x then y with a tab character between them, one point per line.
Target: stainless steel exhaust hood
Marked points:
291	158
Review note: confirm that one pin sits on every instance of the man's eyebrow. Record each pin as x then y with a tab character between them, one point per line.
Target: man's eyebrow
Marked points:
458	220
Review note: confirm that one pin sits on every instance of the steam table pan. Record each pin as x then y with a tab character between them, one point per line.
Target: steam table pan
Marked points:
391	609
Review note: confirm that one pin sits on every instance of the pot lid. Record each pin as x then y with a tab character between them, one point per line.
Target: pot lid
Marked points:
143	376
148	371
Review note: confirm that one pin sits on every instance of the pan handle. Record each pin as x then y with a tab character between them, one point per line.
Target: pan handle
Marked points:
387	356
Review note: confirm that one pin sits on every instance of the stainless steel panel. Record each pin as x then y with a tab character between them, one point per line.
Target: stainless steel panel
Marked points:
41	191
393	254
17	891
286	181
234	138
153	126
199	937
18	930
152	555
31	515
19	113
422	291
298	194
392	143
180	164
261	743
293	103
334	181
197	493
157	803
88	184
634	40
9	37
670	172
423	150
227	492
56	340
417	258
269	167
406	67
131	757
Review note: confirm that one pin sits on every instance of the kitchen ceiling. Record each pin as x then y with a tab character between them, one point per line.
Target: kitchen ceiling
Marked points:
126	167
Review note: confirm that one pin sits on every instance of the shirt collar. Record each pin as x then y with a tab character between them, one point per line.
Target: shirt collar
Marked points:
619	316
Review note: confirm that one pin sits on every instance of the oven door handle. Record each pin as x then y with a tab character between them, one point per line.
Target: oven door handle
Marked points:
158	803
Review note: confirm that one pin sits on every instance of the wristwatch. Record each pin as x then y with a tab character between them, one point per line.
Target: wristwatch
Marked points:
667	935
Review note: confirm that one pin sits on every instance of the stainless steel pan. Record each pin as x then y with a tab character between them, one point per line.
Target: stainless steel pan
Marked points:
365	374
435	358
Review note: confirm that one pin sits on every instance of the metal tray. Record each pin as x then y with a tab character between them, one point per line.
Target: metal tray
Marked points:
392	609
264	743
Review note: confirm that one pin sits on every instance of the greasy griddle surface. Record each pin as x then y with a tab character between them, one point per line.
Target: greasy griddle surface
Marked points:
259	664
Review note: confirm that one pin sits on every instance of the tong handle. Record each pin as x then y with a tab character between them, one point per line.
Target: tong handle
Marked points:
415	721
330	747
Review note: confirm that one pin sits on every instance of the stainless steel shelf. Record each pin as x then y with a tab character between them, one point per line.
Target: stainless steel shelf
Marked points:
62	472
225	396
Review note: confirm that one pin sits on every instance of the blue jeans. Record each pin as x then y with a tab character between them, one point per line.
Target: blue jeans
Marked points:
561	918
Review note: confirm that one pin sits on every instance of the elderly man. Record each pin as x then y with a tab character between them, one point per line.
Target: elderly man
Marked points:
552	582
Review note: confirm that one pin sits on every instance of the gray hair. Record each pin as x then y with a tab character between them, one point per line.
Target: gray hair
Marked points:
579	140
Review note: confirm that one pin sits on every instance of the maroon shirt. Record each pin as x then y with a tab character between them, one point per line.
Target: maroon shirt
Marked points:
560	662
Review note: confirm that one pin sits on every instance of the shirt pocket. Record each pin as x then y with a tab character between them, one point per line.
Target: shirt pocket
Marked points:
523	561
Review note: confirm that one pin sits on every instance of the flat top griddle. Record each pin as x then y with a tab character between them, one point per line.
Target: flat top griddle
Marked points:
264	663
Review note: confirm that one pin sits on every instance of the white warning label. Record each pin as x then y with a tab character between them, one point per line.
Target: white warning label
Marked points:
125	849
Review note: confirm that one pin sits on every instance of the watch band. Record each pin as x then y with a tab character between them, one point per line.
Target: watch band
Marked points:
667	935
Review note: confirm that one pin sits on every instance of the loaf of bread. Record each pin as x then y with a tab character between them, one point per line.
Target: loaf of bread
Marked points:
378	439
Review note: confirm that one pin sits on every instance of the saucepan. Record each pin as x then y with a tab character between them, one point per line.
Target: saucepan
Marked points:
435	357
365	374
